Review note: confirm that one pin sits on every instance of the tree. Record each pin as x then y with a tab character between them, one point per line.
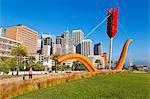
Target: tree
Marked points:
65	67
55	55
99	62
56	67
77	65
12	63
4	67
19	52
31	61
57	64
38	67
32	58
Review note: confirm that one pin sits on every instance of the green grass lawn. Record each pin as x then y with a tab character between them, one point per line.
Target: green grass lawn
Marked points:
120	85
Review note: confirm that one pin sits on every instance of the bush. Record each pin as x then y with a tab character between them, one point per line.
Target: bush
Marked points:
38	67
4	69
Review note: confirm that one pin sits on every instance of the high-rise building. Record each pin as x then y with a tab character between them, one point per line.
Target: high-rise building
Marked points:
46	44
59	40
86	47
24	34
39	46
98	49
59	49
59	45
78	36
67	46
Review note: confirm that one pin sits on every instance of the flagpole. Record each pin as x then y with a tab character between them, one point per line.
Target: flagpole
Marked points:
110	52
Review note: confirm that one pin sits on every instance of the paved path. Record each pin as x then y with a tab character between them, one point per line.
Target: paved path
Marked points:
15	79
26	77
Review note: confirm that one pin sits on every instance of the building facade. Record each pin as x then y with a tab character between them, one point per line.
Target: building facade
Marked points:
67	46
24	34
46	45
58	49
78	36
38	57
58	45
98	49
86	47
39	46
6	45
46	61
93	59
59	40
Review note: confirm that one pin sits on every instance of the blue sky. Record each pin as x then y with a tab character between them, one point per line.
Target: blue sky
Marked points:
54	16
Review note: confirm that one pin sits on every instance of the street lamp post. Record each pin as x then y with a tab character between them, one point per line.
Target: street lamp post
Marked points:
30	61
24	58
17	65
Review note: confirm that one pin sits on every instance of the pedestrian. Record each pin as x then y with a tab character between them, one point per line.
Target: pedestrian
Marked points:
30	73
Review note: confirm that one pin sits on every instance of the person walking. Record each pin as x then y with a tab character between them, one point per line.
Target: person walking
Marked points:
30	73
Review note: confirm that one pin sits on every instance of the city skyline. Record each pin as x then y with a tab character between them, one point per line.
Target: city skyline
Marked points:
50	19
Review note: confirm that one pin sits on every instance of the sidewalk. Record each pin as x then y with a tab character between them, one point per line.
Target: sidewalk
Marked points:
16	79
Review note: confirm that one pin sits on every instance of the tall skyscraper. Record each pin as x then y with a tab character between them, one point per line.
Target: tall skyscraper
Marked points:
24	34
78	36
57	48
98	49
59	40
67	46
86	47
39	45
46	44
59	45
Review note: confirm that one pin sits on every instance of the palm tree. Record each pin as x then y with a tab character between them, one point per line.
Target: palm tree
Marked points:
19	52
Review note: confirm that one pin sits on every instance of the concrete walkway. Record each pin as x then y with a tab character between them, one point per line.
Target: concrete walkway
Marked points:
15	79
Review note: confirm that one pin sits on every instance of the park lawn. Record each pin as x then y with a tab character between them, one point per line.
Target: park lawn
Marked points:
120	85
